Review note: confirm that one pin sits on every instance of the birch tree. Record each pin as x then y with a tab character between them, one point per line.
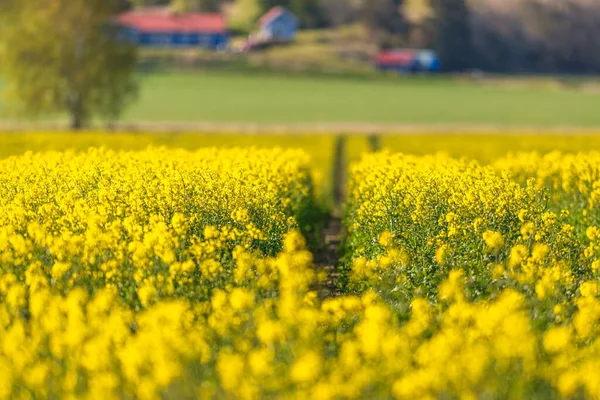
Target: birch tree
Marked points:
66	56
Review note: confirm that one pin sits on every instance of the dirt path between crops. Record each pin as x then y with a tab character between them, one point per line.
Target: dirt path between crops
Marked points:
327	258
302	128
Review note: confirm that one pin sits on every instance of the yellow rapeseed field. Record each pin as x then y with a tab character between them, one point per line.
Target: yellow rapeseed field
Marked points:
461	239
319	147
129	271
487	147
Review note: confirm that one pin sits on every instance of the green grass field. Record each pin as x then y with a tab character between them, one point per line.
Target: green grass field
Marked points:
277	99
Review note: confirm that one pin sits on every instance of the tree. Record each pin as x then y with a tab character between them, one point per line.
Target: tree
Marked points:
309	12
66	55
245	14
454	34
566	35
195	5
150	3
340	12
385	22
420	15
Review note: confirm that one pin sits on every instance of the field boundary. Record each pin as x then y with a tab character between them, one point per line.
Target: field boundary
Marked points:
302	128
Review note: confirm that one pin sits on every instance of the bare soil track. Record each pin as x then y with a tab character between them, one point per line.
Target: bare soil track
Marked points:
328	256
337	129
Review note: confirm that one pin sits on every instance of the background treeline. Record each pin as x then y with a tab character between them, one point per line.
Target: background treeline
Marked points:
539	36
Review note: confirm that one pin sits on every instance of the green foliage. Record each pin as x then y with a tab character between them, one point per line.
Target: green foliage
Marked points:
565	36
150	3
454	34
182	5
66	56
195	5
245	14
308	11
385	21
421	16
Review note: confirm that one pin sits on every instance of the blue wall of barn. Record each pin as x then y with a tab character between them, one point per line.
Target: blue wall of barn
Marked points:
283	27
208	40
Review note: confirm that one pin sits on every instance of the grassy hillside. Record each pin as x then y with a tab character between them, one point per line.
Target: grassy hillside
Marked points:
345	50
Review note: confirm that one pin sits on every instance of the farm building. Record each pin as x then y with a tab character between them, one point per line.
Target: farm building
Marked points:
405	60
278	25
162	28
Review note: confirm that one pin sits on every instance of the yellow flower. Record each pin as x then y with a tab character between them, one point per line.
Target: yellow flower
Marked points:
59	269
147	294
527	230
452	289
592	233
441	254
477	223
517	255
589	289
294	241
557	339
385	238
493	240
498	271
522	215
261	362
269	331
306	368
568	383
359	267
557	309
539	252
231	370
178	223
241	299
210	232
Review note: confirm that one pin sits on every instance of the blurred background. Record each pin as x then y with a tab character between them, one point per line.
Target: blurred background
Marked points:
319	66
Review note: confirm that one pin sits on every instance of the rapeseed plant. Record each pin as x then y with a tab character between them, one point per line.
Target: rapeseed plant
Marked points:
168	273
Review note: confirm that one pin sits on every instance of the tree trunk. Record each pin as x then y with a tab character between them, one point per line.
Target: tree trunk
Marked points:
76	122
77	117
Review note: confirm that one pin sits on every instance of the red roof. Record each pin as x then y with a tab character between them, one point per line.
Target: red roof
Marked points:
396	57
161	21
273	13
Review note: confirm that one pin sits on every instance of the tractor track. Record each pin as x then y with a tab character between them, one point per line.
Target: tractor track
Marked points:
327	257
